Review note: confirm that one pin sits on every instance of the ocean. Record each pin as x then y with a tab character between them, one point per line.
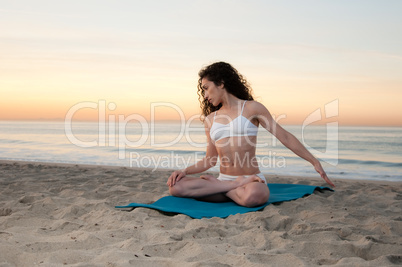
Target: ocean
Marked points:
365	153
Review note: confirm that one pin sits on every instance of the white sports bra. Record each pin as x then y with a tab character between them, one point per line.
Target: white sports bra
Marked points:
240	126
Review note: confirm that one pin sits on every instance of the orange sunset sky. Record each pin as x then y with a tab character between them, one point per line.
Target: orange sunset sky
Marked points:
297	55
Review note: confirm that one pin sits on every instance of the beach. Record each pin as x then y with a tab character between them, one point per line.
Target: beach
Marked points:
54	214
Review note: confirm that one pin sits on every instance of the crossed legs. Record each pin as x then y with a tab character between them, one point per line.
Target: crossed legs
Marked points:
248	192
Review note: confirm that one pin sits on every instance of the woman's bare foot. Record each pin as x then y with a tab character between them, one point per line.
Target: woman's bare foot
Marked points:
242	180
208	177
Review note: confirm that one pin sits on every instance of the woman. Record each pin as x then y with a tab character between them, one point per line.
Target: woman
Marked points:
231	120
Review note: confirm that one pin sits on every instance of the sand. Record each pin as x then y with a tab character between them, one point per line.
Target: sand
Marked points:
60	214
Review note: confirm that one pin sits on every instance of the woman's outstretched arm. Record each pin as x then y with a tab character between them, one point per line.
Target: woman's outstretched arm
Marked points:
291	142
287	139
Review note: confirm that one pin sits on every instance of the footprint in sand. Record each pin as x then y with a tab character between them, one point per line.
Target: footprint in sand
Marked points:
5	212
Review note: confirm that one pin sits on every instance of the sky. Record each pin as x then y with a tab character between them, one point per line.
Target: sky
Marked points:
88	59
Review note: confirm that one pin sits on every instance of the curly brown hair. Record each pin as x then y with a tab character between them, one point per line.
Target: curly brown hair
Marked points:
234	83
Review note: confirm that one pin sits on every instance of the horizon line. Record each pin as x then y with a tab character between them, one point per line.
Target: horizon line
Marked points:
176	121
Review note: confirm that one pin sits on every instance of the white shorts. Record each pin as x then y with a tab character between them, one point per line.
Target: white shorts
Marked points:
226	177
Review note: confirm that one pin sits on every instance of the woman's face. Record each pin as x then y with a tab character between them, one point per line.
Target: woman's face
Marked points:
212	92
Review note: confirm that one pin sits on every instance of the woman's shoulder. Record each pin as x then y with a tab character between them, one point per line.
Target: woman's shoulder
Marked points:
252	104
211	115
209	119
255	108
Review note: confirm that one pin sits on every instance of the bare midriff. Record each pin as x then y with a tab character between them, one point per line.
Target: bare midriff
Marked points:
237	155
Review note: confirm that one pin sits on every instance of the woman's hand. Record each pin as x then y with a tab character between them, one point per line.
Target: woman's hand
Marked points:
175	177
320	170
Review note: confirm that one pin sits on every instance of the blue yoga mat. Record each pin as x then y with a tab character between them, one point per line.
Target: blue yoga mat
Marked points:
201	209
